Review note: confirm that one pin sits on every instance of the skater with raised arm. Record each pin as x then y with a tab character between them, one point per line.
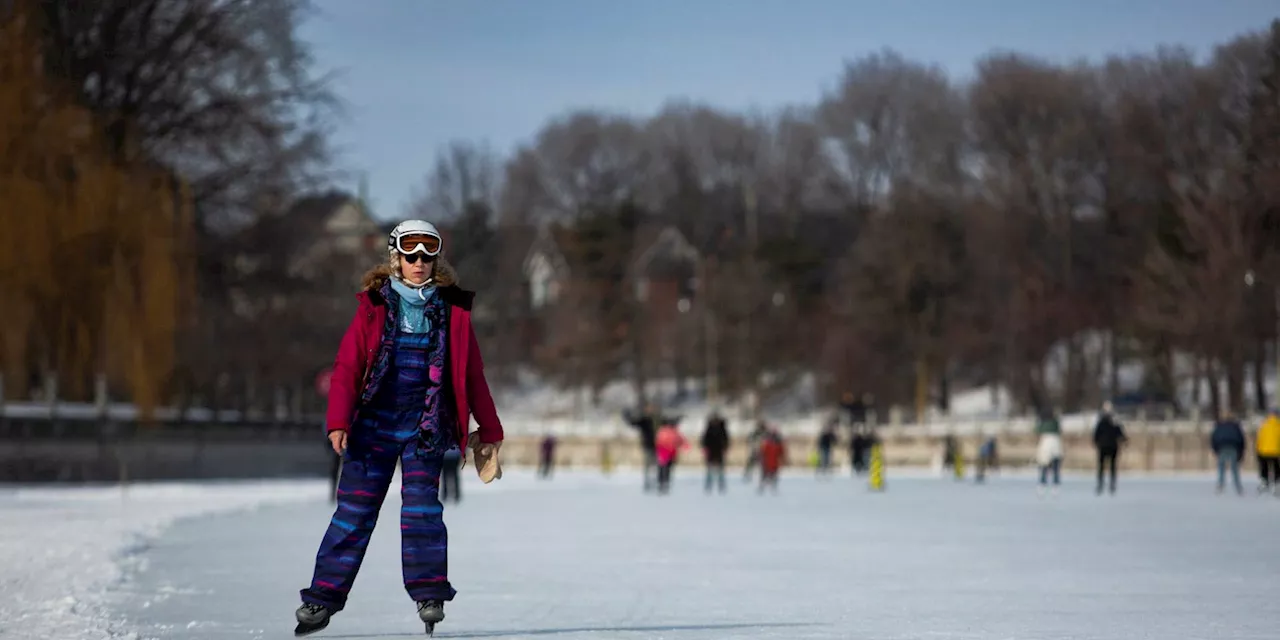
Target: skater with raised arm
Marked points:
646	426
407	379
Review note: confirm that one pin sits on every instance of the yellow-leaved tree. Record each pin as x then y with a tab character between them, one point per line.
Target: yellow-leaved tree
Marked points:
95	271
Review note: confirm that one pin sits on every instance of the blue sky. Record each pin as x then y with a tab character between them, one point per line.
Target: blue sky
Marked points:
416	74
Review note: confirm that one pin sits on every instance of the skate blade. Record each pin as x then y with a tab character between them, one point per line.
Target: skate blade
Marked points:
304	629
431	628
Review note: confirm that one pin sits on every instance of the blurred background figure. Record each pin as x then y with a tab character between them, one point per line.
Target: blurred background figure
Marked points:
1268	448
668	444
715	444
546	456
826	443
450	484
1049	449
773	455
988	458
950	449
1228	442
754	441
1108	436
860	449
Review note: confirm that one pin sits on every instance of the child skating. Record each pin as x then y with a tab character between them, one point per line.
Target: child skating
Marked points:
773	454
407	379
668	444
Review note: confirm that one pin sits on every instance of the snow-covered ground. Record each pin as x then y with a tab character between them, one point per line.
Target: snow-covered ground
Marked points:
63	550
584	556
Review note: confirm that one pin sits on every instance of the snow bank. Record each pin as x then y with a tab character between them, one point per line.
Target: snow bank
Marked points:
62	549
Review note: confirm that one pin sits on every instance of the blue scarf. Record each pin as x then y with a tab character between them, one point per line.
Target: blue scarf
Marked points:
413	306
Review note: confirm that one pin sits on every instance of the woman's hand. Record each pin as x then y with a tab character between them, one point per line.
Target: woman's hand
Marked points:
339	441
487	464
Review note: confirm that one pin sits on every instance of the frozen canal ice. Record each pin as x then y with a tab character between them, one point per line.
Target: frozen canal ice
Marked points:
586	557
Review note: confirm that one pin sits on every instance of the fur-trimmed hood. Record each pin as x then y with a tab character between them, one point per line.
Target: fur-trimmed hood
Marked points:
442	274
446	281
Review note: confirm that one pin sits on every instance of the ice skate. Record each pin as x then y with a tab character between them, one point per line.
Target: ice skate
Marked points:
431	612
311	618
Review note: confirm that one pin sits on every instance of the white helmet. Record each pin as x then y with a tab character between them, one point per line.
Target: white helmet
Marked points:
415	236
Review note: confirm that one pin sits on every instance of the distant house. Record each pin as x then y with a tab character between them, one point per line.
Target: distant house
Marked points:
660	272
664	269
329	226
322	242
664	274
545	270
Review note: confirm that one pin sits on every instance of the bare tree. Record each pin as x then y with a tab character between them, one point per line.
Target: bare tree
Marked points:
579	163
465	176
222	91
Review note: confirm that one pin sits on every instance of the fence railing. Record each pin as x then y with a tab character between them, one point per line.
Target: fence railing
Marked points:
85	449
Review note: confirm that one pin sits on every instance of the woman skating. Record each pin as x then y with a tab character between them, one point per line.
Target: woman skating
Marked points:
1049	450
407	378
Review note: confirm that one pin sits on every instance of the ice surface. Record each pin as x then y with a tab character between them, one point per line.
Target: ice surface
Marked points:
586	557
63	549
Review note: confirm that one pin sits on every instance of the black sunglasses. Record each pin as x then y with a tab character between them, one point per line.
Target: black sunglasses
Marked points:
412	258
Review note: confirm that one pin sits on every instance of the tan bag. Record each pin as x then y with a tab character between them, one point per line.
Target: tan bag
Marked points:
486	455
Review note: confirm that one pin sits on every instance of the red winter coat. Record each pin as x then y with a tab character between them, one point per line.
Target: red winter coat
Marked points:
466	369
772	454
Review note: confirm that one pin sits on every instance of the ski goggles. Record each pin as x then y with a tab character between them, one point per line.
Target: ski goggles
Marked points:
419	243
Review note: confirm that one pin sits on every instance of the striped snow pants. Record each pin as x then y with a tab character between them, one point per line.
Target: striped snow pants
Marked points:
423	539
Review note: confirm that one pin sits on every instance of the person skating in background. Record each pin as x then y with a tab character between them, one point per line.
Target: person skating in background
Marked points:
715	443
754	440
669	442
773	455
988	458
1268	449
646	427
450	484
546	456
950	448
407	379
860	449
1049	449
1108	436
1228	443
826	443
